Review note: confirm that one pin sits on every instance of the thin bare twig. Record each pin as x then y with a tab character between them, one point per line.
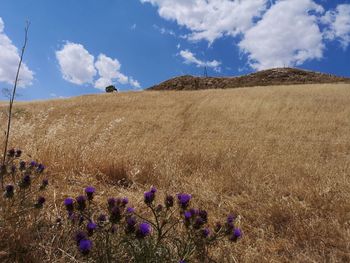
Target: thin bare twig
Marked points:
12	98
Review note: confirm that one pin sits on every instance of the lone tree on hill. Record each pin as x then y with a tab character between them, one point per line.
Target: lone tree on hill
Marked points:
111	88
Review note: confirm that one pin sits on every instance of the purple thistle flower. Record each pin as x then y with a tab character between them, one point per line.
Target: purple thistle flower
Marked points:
153	189
40	168
184	200
188	215
69	203
32	164
205	232
130	210
13	168
41	200
25	182
9	191
149	197
85	246
182	261
91	226
230	219
143	230
18	153
11	152
90	192
125	201
236	234
81	201
169	201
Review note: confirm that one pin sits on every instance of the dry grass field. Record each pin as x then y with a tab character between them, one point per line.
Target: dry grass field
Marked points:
278	156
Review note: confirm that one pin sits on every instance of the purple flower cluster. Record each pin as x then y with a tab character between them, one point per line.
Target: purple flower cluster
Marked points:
25	181
85	246
195	218
117	209
40	202
149	196
123	220
143	230
69	204
89	191
184	200
91	226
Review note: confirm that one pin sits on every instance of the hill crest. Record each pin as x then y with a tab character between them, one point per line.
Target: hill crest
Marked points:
276	76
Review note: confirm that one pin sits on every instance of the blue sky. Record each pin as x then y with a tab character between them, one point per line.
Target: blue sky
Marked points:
79	46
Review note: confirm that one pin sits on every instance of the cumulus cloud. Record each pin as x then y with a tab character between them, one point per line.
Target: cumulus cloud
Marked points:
339	24
271	33
211	19
109	71
190	58
78	66
287	35
9	59
76	63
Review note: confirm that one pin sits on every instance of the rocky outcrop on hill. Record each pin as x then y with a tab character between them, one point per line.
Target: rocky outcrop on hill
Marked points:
277	76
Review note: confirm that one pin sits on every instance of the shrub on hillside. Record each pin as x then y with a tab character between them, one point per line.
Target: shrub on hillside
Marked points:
111	88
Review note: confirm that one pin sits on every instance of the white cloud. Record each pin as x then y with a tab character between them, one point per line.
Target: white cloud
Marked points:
211	19
78	66
134	83
190	58
339	24
76	63
272	33
9	59
108	69
109	72
287	35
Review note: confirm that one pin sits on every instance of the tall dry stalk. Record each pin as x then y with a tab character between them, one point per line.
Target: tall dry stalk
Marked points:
12	98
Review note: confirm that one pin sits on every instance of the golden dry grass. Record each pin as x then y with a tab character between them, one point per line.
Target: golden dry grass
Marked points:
279	156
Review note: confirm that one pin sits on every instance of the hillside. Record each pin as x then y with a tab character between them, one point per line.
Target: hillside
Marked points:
279	157
277	76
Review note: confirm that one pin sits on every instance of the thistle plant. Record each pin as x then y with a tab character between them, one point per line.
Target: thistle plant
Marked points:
23	197
170	231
